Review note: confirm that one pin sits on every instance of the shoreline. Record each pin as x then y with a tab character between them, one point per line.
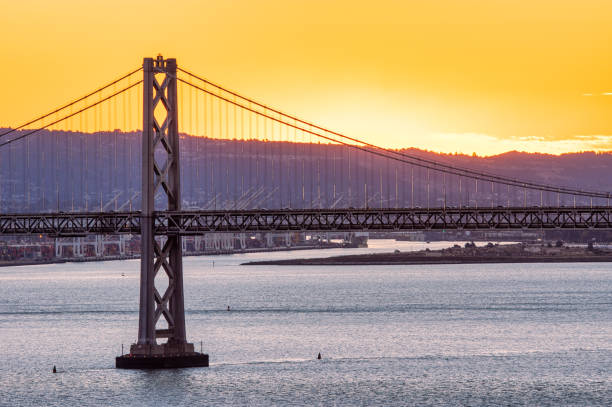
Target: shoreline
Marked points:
429	260
470	254
137	256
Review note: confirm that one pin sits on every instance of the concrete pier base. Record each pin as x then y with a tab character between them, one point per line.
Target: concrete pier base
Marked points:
164	356
161	362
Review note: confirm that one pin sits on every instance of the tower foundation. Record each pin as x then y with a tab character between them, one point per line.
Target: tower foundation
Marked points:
164	356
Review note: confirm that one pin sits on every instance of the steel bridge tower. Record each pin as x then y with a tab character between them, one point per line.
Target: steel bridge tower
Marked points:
161	315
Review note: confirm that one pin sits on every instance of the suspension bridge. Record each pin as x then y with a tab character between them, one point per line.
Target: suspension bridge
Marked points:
116	162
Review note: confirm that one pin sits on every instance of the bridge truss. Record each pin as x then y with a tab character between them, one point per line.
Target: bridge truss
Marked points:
176	223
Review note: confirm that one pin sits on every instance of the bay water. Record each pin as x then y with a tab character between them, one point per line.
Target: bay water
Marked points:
485	334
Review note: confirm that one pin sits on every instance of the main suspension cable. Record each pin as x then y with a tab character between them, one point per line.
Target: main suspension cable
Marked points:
395	152
70	104
453	169
382	152
69	115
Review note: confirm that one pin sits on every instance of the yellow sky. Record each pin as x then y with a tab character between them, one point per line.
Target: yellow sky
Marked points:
467	75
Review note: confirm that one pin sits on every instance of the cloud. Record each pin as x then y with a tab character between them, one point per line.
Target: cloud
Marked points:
602	94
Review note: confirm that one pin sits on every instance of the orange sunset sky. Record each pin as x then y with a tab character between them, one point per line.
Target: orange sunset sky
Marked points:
483	76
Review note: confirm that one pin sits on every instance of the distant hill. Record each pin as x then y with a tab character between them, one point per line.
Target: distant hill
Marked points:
74	171
584	169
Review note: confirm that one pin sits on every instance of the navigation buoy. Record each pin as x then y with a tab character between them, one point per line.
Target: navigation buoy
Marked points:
319	356
54	369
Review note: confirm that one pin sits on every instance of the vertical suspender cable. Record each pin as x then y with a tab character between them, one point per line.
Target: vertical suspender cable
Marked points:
43	173
11	201
427	188
295	172
70	162
350	186
235	143
194	169
281	149
304	155
311	172
26	175
396	190
258	144
508	193
387	178
364	160
86	181
265	158
460	194
412	186
381	185
326	148
56	151
242	166
319	179
444	187
334	174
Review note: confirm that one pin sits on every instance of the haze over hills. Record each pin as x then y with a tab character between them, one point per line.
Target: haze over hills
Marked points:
585	169
57	170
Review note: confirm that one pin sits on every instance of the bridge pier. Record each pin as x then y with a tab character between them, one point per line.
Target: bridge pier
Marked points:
161	315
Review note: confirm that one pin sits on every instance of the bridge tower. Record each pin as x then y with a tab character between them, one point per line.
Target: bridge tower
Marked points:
161	314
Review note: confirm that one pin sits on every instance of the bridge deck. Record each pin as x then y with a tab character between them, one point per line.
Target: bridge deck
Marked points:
198	222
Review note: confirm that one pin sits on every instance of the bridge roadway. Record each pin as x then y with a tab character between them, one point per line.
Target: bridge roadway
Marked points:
197	222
